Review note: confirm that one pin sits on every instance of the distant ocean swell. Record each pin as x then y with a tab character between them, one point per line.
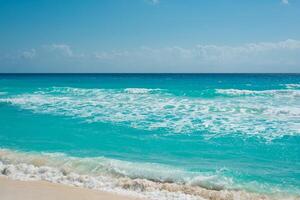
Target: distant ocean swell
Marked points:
150	181
268	114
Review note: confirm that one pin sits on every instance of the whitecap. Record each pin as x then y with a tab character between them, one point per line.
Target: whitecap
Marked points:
268	116
273	93
140	90
293	86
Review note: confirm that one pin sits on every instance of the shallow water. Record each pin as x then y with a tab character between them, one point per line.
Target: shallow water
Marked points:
216	131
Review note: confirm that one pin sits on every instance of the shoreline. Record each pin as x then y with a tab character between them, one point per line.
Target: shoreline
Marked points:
11	189
33	169
43	190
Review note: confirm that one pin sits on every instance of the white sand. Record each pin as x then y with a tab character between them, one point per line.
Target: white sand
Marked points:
41	190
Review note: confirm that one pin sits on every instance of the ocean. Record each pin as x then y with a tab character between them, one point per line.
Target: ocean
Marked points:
159	136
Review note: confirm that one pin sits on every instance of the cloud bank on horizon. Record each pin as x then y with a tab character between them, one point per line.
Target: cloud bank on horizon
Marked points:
148	45
263	56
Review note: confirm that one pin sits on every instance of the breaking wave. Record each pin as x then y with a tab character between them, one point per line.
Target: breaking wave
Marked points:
293	86
150	181
271	93
269	114
140	90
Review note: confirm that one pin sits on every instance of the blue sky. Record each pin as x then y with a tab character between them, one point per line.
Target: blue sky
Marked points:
150	36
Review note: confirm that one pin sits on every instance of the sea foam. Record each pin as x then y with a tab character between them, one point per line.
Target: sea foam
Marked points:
272	93
140	90
293	86
59	168
255	115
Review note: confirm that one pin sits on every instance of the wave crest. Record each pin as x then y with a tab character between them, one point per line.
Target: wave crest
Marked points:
140	90
293	86
272	93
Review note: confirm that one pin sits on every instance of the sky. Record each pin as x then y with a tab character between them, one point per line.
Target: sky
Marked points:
155	36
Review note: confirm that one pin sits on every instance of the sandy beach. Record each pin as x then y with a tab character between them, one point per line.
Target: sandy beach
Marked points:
40	190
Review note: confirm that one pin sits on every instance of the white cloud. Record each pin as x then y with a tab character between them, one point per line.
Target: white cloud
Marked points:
28	54
62	48
254	57
227	53
251	53
153	2
251	57
286	2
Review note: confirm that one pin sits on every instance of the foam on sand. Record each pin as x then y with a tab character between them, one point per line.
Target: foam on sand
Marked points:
92	173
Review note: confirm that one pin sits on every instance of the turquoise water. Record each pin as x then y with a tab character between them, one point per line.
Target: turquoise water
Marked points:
217	131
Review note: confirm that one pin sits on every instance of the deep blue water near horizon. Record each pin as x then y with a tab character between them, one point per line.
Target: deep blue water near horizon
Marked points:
233	130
